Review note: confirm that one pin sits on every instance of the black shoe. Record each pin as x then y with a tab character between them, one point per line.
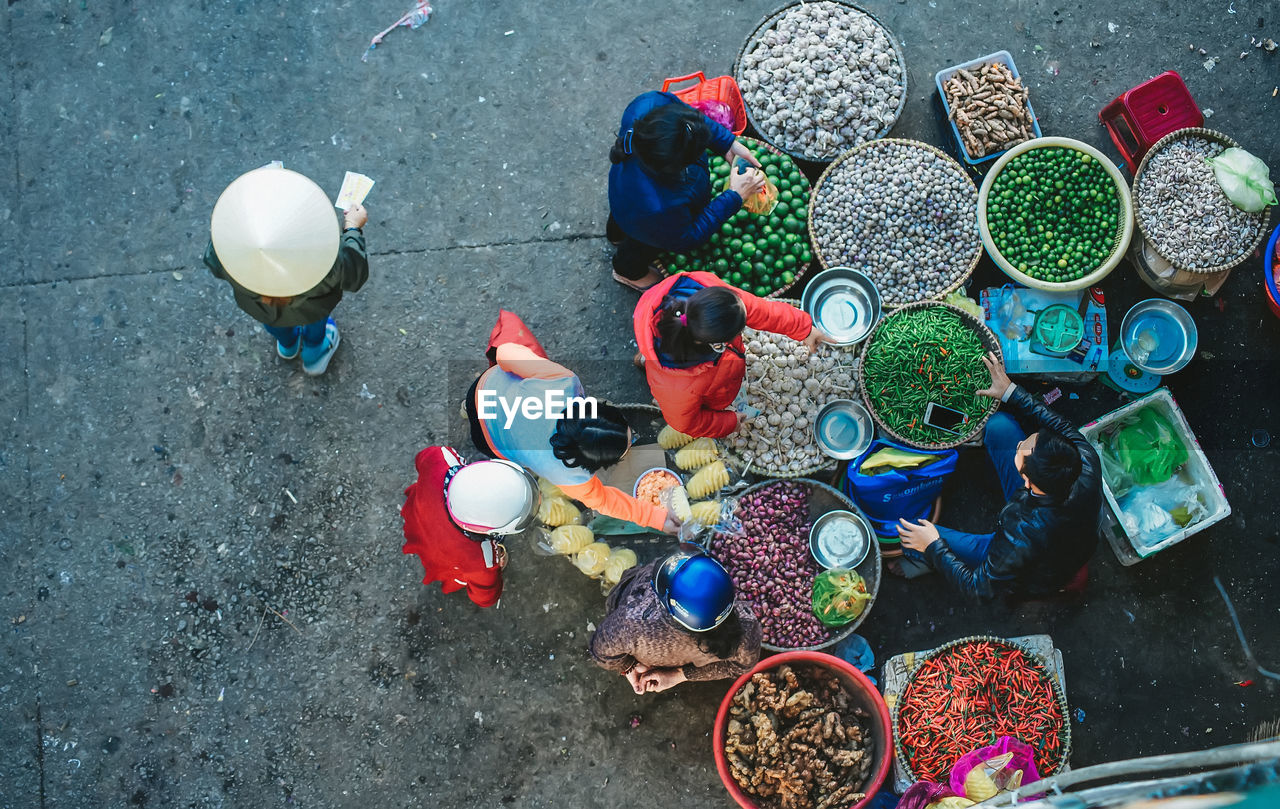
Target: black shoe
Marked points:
614	233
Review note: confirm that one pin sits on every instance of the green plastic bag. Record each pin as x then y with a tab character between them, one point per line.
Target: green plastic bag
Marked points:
1244	178
1142	450
839	597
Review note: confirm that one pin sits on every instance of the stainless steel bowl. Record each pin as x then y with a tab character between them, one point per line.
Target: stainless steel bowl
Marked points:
1158	336
843	429
843	302
840	539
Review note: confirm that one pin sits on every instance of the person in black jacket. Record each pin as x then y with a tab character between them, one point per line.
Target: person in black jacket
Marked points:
1048	528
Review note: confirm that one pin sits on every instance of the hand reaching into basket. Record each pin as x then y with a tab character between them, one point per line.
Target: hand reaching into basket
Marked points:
740	150
816	336
1000	380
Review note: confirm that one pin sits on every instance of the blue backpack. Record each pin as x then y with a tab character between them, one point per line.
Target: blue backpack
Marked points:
898	493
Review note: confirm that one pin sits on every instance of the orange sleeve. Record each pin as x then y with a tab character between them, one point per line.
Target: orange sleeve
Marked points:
608	500
776	317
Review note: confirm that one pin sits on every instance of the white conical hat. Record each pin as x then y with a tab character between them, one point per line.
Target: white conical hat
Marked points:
275	231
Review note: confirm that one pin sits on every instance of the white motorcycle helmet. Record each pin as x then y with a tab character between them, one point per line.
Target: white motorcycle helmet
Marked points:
493	498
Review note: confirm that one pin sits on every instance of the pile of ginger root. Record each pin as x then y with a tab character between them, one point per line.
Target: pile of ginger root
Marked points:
796	739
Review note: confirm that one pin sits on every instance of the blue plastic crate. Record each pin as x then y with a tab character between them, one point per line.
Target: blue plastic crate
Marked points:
940	78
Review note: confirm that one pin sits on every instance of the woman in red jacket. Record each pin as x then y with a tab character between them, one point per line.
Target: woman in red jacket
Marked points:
689	330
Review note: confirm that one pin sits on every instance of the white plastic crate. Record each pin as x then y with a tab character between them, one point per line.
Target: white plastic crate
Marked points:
1133	549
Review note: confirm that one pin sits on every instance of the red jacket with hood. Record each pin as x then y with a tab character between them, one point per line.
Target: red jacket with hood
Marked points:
693	399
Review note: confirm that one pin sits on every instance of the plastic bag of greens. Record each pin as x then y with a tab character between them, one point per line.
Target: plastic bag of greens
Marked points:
839	596
1143	450
1244	178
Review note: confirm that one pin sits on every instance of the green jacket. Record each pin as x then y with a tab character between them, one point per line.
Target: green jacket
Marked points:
349	273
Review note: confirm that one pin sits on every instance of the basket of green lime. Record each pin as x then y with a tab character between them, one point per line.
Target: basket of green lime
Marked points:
764	254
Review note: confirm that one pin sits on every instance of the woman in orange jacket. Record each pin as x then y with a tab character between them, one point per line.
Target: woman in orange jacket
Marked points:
689	330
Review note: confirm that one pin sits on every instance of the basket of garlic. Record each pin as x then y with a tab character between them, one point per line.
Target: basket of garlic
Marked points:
788	385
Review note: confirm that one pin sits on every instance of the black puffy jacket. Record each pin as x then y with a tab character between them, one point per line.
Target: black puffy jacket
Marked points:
1040	541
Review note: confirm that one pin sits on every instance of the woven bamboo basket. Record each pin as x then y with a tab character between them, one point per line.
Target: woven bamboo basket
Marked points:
816	192
976	425
1183	134
744	466
1059	695
768	22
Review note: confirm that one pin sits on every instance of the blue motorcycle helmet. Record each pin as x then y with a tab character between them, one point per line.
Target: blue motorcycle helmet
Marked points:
695	589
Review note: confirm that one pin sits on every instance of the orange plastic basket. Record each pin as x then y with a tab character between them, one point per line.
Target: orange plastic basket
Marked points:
721	88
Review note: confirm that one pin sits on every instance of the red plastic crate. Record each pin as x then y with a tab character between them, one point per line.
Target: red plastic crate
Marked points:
721	88
1139	117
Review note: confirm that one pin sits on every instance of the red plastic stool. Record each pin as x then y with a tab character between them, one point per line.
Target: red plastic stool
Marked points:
1137	118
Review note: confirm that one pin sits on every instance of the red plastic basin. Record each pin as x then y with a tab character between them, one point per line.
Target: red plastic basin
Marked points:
858	686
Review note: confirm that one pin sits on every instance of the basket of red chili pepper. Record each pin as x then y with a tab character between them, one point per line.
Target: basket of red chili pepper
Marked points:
968	693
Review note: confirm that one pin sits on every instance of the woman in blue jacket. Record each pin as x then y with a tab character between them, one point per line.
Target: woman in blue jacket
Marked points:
660	189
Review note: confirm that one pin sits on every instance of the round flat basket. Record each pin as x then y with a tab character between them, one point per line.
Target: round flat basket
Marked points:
822	499
1119	244
1062	754
966	258
989	342
887	122
1247	246
745	462
784	253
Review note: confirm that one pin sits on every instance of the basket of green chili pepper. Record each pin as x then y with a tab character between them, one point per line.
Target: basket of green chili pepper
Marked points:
966	694
927	352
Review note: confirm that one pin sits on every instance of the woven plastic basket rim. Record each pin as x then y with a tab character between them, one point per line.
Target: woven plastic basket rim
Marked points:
740	464
1182	134
772	18
817	185
1058	694
848	629
985	334
801	277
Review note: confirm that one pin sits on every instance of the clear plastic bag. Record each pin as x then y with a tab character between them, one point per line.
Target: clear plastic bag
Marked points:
1160	511
1011	317
1244	178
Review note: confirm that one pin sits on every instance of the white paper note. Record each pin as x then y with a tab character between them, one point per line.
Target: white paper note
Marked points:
355	187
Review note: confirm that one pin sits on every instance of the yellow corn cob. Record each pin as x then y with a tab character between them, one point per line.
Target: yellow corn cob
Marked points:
556	511
706	513
671	438
569	539
709	479
591	559
698	454
619	561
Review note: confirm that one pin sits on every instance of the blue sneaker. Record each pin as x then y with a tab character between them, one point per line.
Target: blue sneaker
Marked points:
315	361
289	353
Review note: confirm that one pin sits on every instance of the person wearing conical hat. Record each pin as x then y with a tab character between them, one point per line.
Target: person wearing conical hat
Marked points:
274	237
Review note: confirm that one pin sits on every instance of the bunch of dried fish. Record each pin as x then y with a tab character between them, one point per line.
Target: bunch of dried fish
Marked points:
795	739
989	108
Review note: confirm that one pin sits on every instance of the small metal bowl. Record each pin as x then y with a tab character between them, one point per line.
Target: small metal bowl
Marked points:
635	490
831	551
1179	325
843	429
844	303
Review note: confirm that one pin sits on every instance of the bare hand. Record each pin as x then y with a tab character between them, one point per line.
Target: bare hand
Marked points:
917	536
1000	381
816	336
740	150
747	185
356	216
671	525
661	679
633	677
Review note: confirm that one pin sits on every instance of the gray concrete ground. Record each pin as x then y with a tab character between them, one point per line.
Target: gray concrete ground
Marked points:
206	601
